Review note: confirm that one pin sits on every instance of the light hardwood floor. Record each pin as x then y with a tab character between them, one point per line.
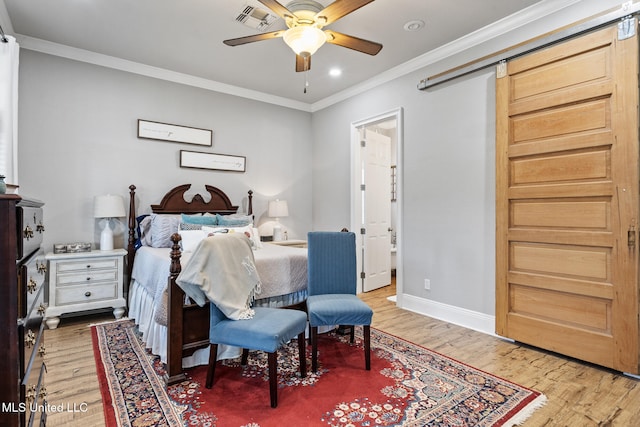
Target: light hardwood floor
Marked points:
579	394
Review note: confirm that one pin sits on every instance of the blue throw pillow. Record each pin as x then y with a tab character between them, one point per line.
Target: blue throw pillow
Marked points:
234	220
199	219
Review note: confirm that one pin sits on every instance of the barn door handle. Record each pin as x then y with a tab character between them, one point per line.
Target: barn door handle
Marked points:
631	237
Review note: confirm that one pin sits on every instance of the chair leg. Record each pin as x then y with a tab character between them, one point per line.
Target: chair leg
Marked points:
273	378
211	370
353	333
245	356
367	346
314	348
302	355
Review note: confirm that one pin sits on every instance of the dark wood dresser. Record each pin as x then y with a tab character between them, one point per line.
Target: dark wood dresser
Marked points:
23	277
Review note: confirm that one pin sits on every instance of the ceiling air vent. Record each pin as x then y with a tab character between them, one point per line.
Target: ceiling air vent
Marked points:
256	18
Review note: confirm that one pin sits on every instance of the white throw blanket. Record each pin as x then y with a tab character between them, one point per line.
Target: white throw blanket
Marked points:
222	270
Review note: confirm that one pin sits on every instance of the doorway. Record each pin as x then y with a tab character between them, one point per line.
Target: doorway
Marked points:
376	239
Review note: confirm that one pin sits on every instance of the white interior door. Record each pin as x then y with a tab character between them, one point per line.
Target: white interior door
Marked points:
376	213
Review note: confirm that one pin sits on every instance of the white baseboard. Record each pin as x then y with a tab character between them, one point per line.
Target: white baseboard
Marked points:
480	322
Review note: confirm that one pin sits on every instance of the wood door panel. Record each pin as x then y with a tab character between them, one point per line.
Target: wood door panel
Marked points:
562	307
579	262
578	214
565	167
567	200
588	66
563	339
572	119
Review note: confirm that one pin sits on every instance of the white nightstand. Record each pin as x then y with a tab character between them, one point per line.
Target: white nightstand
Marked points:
292	242
85	281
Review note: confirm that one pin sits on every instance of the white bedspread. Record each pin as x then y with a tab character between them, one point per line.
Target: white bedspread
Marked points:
282	269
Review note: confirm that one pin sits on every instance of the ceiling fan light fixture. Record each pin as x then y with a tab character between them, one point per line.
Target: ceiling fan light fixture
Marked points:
304	39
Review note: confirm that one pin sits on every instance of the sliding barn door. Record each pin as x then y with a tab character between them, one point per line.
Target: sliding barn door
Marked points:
567	199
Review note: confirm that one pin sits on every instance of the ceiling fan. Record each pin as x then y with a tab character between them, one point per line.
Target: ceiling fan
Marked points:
305	20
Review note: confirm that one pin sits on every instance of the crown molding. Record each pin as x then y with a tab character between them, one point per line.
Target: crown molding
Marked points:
505	25
64	51
491	31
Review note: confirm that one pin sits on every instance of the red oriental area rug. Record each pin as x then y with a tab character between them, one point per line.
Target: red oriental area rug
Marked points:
408	385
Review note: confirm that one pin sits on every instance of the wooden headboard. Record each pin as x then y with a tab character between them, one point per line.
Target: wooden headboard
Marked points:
174	202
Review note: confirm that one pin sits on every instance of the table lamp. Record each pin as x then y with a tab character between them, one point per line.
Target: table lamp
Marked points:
278	209
107	207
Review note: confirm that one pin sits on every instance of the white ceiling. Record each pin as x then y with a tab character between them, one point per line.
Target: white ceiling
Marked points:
186	37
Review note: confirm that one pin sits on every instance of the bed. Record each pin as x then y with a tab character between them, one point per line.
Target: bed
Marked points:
171	326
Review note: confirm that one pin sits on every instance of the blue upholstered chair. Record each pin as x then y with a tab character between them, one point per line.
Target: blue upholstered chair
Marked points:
331	287
267	331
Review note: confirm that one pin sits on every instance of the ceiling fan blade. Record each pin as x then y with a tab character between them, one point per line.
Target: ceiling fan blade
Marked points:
340	8
279	9
255	38
355	43
303	63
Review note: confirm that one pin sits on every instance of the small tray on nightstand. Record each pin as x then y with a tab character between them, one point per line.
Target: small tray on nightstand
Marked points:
69	248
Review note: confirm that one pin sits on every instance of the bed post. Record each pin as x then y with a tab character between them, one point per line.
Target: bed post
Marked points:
250	204
175	319
132	238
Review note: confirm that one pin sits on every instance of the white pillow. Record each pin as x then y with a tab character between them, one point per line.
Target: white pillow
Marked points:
246	229
162	227
191	238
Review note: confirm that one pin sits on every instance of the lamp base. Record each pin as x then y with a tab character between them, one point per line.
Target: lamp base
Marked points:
277	233
106	237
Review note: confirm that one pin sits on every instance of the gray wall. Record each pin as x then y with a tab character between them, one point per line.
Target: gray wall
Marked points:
78	139
448	200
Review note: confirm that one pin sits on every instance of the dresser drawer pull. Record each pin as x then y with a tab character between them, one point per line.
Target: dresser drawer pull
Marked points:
42	268
32	285
42	350
43	392
42	309
87	294
28	232
40	227
29	339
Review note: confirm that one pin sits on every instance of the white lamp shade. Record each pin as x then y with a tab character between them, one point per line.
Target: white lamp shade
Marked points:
278	208
108	206
304	39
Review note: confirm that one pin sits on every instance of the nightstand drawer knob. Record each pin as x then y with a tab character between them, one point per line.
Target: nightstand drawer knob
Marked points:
87	294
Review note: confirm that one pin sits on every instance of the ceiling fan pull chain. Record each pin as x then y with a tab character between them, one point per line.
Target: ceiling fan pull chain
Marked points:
306	81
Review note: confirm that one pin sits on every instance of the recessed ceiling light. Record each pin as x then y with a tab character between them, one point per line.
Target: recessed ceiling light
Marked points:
414	25
335	72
